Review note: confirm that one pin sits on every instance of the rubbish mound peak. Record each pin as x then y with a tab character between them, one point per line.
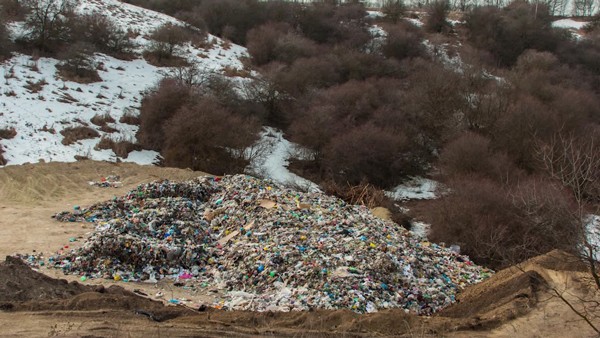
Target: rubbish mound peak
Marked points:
270	248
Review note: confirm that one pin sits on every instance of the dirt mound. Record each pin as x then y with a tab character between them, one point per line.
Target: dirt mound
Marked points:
22	289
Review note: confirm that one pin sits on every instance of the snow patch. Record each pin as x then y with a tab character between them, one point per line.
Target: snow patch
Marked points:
417	188
274	158
569	24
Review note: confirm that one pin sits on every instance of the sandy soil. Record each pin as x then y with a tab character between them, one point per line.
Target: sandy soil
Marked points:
517	302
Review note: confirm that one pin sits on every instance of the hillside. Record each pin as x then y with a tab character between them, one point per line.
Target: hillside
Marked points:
39	104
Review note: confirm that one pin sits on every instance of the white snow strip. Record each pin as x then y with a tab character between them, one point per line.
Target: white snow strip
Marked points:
273	160
593	235
417	188
415	22
420	229
569	24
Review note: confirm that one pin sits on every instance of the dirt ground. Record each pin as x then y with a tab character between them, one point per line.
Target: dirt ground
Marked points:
516	302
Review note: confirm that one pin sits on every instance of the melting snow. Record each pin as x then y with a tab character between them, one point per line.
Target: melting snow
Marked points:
569	23
417	188
273	159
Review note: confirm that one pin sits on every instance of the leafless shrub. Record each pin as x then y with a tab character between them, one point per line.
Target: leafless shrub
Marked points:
366	153
436	17
471	154
206	136
165	39
6	45
78	64
497	226
230	71
49	23
96	29
403	41
158	106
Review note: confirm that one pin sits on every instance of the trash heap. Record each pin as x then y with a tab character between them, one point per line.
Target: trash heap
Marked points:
267	247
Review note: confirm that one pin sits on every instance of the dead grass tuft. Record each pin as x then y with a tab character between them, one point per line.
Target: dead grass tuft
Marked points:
102	119
130	117
74	134
235	72
370	196
78	75
161	61
8	133
121	147
35	87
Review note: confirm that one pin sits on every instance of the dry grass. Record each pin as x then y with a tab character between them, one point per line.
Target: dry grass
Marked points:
102	121
74	134
121	147
2	159
80	76
35	87
8	133
171	61
370	196
235	72
131	118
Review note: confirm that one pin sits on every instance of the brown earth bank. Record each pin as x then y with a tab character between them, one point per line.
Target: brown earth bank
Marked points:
522	301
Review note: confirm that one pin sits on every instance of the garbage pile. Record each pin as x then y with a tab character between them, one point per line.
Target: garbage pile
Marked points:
267	247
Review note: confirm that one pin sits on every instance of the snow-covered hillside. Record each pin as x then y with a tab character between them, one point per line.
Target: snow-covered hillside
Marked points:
38	104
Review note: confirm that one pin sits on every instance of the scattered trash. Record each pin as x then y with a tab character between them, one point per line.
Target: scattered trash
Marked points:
267	247
112	181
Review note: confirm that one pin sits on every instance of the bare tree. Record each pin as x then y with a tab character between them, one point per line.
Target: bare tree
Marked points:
166	38
393	10
48	22
575	163
584	7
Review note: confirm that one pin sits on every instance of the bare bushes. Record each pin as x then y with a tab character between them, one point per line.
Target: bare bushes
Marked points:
366	153
471	154
74	134
158	106
99	31
436	17
78	64
6	46
278	42
207	136
497	226
507	33
403	41
165	39
198	127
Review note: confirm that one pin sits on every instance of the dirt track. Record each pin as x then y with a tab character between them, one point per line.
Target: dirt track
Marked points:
515	302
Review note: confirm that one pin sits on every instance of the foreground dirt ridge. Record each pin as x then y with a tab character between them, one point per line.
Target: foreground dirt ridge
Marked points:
515	302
